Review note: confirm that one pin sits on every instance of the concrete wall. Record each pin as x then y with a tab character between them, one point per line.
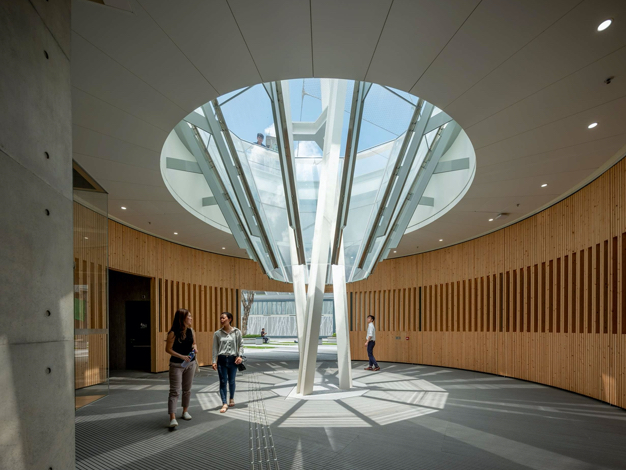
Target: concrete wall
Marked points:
36	286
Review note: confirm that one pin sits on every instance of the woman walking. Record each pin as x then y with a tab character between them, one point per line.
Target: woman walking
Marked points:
181	345
227	352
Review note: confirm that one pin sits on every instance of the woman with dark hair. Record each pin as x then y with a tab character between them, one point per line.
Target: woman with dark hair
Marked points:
181	345
227	352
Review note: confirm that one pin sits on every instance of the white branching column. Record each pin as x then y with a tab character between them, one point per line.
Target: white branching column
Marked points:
299	291
344	371
324	220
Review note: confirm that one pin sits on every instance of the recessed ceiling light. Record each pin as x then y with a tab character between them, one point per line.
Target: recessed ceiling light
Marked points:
175	233
605	24
86	238
123	208
223	248
490	220
544	185
394	251
592	125
441	239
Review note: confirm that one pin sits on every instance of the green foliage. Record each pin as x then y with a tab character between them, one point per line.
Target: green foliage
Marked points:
251	336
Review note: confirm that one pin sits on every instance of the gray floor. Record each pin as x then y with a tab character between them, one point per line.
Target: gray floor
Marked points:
403	417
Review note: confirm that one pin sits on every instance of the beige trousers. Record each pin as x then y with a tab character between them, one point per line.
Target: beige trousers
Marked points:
180	377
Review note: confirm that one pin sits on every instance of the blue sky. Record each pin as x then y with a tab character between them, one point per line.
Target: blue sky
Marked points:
385	116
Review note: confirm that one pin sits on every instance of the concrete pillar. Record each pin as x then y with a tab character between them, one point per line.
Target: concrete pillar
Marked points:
36	260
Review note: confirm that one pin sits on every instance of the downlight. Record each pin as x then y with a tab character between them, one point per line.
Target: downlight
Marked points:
605	24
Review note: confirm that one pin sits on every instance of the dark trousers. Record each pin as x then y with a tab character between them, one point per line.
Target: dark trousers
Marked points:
370	353
227	370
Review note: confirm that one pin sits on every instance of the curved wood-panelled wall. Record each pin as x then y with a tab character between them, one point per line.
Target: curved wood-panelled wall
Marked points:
542	300
90	297
205	283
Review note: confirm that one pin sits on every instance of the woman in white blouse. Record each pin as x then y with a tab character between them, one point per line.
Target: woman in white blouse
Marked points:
227	352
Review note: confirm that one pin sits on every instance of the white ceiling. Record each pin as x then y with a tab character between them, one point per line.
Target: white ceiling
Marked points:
524	78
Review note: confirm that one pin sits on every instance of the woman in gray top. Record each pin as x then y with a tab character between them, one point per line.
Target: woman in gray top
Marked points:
227	352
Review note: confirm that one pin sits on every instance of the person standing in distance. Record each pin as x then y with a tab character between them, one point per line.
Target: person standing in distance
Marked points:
227	352
370	342
181	342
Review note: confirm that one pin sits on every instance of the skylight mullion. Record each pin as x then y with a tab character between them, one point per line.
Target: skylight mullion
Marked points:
445	138
392	178
192	140
237	177
198	121
437	121
403	171
349	163
286	166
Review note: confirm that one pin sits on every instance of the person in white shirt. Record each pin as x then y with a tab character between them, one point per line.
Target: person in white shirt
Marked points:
370	342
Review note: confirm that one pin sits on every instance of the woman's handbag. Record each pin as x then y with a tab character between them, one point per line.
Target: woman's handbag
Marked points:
241	366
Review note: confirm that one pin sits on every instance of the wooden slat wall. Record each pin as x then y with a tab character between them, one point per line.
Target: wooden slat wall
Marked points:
205	283
542	300
206	304
90	281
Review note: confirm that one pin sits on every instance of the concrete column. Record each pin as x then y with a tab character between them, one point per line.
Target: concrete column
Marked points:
36	252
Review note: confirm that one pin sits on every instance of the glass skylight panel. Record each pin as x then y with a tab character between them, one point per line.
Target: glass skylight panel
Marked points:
374	164
305	99
430	137
386	116
249	114
305	105
307	149
307	183
204	135
224	98
346	117
403	94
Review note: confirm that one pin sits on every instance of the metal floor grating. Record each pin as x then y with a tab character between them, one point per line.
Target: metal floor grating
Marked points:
411	417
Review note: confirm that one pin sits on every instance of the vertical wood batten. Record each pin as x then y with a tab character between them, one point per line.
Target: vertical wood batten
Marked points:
543	299
202	282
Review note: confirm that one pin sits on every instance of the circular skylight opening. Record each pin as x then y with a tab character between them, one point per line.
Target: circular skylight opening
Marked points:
250	163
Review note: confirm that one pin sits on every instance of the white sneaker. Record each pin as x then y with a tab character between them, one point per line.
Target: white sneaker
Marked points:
173	423
186	416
